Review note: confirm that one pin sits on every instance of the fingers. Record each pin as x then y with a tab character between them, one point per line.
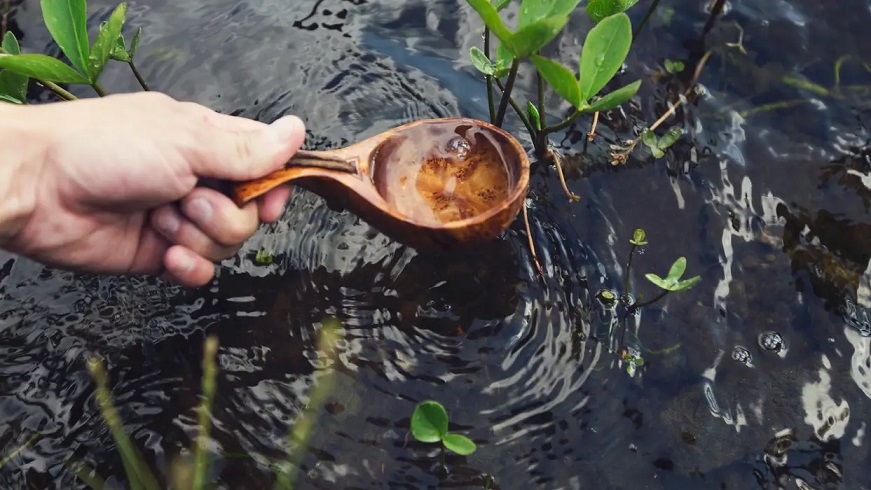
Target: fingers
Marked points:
271	204
187	268
235	150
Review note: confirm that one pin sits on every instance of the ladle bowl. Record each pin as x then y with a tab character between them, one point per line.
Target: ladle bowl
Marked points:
430	184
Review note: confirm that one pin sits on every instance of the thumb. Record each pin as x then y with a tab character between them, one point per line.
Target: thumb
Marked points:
247	154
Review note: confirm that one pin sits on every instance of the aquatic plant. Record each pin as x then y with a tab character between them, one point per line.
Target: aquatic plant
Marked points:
604	50
66	21
429	423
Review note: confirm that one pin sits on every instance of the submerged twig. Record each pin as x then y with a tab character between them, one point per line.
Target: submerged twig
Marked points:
529	237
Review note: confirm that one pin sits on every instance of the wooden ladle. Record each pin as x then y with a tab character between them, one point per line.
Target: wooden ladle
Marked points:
431	184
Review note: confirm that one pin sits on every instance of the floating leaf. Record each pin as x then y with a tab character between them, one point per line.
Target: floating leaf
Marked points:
639	238
66	20
534	117
12	85
535	10
429	422
560	78
106	41
535	36
615	98
599	9
491	19
480	61
648	137
669	138
42	67
605	48
459	444
677	269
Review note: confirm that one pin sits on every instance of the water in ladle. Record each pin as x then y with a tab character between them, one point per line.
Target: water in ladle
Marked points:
439	173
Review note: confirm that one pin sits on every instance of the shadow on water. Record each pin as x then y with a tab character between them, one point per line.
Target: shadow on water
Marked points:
759	376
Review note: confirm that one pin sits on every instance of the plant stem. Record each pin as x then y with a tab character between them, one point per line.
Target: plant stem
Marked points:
5	18
636	306
563	124
562	179
138	76
628	268
542	139
490	103
645	19
57	89
99	89
210	372
521	115
506	94
592	133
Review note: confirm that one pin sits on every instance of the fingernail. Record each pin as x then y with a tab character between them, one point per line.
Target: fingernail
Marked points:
282	130
199	210
167	222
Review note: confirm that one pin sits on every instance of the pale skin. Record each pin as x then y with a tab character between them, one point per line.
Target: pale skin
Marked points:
109	185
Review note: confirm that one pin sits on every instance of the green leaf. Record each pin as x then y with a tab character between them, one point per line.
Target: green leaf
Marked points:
42	67
429	422
67	22
686	284
648	137
657	153
9	98
135	43
504	58
673	66
669	138
658	281
501	4
459	444
615	98
480	61
491	18
106	41
639	238
534	117
12	84
119	50
677	270
605	48
535	10
599	9
535	36
560	78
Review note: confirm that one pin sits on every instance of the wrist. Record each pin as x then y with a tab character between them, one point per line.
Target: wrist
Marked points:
19	168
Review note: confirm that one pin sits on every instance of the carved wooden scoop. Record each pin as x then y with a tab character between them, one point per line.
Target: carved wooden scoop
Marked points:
431	184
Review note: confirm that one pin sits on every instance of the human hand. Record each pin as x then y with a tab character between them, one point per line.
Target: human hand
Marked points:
112	184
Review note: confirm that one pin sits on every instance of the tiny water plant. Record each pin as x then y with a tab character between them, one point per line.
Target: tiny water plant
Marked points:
66	21
429	424
671	283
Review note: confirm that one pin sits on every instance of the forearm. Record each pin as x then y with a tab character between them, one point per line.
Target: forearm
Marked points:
21	157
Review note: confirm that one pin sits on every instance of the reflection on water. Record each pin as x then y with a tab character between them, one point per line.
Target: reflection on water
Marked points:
769	383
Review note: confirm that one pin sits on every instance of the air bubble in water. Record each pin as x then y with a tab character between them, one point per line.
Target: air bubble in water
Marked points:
459	147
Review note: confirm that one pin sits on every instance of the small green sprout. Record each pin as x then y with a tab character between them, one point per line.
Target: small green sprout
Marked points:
429	423
659	145
264	257
673	67
639	238
672	281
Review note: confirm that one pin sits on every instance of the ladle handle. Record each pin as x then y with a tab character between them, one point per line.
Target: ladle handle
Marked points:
245	191
321	159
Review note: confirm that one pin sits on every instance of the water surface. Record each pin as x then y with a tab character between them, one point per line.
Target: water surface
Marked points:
770	208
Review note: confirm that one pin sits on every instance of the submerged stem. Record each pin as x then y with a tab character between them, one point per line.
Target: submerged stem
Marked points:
636	306
506	94
628	268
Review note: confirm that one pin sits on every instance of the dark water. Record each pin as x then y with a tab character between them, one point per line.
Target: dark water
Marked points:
770	208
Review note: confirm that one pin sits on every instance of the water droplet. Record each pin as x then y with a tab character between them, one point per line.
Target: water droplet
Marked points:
600	58
459	146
